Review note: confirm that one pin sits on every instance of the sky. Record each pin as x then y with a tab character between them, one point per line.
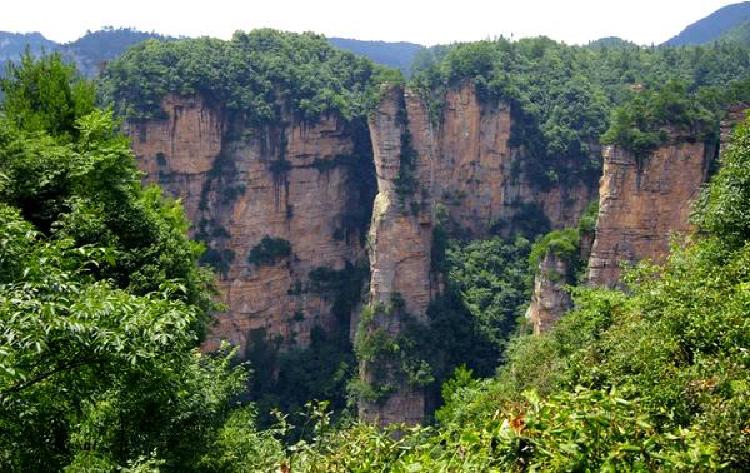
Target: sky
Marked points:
419	21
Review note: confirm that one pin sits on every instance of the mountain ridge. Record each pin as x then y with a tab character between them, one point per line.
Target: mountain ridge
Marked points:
92	50
713	27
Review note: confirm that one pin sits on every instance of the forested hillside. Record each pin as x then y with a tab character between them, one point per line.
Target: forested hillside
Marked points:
396	55
94	49
102	305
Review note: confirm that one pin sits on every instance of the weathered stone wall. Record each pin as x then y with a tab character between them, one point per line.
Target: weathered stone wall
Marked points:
550	299
297	181
642	204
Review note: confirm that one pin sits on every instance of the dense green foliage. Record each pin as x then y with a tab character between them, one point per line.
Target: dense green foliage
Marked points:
563	243
258	75
39	96
487	287
491	278
643	123
102	304
269	251
287	380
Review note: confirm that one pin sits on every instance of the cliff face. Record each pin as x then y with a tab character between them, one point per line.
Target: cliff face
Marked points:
308	184
550	300
400	245
465	164
309	188
642	204
478	173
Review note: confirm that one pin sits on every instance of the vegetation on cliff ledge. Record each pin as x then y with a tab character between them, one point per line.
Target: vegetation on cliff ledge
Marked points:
564	98
260	75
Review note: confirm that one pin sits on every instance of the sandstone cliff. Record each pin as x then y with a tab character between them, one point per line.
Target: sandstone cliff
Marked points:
400	244
309	188
642	204
309	184
478	174
550	300
464	163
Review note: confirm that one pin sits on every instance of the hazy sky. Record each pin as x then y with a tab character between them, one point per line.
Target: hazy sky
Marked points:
419	21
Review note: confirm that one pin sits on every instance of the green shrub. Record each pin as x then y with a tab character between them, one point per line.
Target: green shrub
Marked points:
269	251
562	243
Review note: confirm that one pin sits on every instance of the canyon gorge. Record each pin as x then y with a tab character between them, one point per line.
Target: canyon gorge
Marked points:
355	201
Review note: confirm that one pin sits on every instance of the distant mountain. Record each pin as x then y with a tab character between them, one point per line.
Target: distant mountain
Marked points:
92	51
725	23
740	34
397	55
12	45
89	53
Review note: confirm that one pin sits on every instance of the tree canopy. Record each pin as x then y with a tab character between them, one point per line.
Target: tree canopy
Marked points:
259	75
102	304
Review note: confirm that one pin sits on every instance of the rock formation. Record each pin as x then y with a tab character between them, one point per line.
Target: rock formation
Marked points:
309	188
642	202
464	163
550	299
478	175
400	244
309	184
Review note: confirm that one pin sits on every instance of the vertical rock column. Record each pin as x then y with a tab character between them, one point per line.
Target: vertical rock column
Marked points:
550	300
399	250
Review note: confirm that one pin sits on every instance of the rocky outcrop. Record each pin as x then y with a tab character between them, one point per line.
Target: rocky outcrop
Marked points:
400	244
478	175
309	184
464	163
550	299
642	203
310	188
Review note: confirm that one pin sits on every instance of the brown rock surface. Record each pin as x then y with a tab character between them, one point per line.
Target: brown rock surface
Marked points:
642	205
477	172
400	241
291	181
235	192
550	300
466	164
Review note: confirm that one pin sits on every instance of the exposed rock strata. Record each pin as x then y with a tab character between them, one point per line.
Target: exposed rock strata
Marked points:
642	204
478	173
311	184
465	164
550	299
400	244
300	182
